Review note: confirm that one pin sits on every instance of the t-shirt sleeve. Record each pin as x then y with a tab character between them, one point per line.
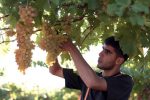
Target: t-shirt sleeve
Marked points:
119	87
72	80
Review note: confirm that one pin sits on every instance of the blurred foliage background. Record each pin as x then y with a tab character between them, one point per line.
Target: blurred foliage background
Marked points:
11	91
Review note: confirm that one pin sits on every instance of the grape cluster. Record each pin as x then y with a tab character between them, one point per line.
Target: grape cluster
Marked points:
51	42
24	30
67	28
27	14
66	25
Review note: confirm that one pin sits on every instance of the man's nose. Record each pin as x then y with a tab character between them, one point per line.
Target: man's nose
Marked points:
101	53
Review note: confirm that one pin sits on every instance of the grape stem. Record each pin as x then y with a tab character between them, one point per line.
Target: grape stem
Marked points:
4	28
7	41
4	16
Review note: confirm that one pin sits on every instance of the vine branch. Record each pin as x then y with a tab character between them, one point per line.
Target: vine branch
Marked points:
4	28
7	41
37	30
4	16
83	5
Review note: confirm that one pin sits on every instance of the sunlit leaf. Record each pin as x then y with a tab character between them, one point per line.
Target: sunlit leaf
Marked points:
4	49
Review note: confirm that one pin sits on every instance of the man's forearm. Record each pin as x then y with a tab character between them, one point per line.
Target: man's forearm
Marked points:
83	68
85	71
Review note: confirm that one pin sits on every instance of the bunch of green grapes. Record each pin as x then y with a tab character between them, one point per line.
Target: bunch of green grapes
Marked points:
23	53
24	30
27	14
66	25
23	58
51	42
67	28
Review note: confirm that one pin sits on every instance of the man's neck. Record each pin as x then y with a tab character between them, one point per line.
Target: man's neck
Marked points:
110	72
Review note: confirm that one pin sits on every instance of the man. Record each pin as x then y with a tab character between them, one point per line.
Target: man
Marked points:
110	84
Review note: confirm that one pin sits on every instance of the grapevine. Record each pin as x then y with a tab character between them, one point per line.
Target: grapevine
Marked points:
51	42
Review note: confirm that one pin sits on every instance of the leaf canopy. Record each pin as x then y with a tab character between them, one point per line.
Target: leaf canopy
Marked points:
91	21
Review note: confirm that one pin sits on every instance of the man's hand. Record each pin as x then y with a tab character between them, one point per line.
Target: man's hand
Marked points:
56	69
68	45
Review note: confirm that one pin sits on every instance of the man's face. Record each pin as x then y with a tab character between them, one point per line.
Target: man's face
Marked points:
107	58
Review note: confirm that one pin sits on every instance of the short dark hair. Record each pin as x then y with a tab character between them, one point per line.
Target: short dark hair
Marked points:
115	44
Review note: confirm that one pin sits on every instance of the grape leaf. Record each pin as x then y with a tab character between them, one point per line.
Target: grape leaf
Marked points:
93	4
139	7
136	19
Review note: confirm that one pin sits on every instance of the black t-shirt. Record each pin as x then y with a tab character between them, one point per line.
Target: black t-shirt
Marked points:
118	87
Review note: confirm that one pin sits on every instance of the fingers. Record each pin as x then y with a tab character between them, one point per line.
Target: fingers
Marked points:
54	67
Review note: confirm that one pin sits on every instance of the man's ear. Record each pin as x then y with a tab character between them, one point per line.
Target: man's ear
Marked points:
119	60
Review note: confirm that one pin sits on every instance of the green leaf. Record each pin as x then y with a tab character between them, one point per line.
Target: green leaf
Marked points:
71	10
93	21
139	7
56	2
114	9
64	57
7	39
38	37
136	19
145	2
13	17
93	4
148	55
120	11
4	49
128	39
118	8
76	31
124	3
127	48
40	63
111	8
147	23
33	63
144	40
40	4
38	19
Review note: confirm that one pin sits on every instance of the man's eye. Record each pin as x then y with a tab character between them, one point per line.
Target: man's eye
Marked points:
107	52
